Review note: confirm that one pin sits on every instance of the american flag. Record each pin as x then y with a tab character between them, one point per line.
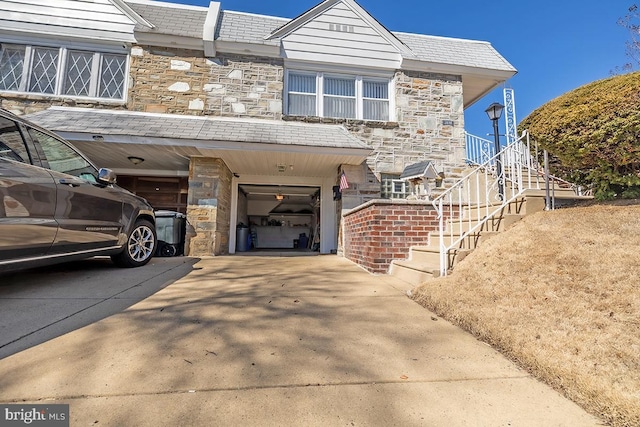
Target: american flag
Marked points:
343	182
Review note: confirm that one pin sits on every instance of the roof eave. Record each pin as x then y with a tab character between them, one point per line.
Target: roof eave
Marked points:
132	14
169	41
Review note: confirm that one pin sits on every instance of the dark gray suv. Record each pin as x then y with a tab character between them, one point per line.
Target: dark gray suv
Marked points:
56	206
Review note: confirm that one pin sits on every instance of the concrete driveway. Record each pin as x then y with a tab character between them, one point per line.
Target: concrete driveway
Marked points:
280	341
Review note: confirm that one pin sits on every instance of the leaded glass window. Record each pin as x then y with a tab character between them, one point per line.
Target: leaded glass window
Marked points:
78	78
62	71
11	66
112	75
44	70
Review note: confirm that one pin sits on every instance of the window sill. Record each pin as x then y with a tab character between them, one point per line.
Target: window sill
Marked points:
27	96
336	121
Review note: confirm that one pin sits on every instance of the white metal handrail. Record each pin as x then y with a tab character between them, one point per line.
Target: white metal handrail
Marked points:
475	199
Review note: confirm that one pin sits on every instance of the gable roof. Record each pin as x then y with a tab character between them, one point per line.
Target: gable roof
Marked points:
213	30
420	170
321	8
253	29
170	18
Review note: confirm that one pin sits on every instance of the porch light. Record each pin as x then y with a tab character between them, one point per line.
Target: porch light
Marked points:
135	160
495	112
279	197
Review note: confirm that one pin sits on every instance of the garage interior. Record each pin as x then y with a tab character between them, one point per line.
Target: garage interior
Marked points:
276	217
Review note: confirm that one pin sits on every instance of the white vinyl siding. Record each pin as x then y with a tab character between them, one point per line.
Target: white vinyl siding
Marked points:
340	35
101	20
337	96
62	71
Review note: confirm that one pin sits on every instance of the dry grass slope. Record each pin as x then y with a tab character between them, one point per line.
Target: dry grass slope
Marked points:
559	293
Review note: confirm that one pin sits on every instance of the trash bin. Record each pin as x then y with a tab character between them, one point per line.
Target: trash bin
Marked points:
303	241
171	230
242	238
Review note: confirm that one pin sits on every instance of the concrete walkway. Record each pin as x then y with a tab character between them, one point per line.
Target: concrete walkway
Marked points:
305	341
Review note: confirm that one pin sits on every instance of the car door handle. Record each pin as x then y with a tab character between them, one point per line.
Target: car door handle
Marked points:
71	182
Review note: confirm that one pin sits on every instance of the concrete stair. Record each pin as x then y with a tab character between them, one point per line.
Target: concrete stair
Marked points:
423	262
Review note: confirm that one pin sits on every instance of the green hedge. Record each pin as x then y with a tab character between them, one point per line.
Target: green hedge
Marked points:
593	135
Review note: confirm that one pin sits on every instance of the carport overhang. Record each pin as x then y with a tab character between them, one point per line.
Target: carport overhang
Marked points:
167	142
165	156
255	151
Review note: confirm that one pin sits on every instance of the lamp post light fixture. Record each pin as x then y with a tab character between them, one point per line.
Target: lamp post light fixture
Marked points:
495	112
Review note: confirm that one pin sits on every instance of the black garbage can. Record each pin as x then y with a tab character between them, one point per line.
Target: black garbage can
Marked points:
171	230
242	238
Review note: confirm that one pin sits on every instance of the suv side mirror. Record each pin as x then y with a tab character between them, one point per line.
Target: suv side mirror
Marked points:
106	176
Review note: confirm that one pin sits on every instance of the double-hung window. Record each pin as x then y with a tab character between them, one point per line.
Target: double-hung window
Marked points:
62	71
338	96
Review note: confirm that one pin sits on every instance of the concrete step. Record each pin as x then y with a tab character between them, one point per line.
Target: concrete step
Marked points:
429	255
413	273
424	264
424	261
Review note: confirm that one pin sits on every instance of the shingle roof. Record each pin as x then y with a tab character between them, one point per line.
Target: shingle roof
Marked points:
173	19
419	170
195	128
248	28
186	21
470	53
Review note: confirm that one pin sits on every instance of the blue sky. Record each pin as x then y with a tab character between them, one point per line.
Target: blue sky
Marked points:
556	45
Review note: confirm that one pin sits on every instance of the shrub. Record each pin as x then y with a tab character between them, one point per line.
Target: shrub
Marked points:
592	135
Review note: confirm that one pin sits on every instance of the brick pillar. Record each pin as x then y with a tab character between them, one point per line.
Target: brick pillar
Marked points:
209	206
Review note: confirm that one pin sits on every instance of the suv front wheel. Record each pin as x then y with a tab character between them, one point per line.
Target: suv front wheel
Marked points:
141	244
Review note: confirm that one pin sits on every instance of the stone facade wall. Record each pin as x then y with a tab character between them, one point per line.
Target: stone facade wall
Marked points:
209	206
429	126
167	80
179	81
240	86
380	231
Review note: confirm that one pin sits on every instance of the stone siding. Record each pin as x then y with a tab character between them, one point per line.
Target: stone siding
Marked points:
167	80
209	206
429	126
183	82
240	86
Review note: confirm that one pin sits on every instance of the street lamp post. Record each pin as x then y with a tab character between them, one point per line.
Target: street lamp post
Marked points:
495	112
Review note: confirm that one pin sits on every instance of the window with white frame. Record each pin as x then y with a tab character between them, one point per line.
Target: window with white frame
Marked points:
337	96
392	187
62	71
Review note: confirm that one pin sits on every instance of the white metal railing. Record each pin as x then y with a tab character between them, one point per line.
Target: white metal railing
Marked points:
465	208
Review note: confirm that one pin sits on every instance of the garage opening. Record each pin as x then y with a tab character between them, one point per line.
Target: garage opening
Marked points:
276	218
